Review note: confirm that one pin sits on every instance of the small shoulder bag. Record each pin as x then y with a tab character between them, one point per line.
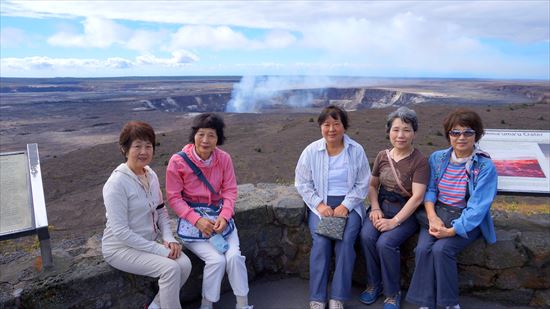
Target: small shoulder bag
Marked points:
187	231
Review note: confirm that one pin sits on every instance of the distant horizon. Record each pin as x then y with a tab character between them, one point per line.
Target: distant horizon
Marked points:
481	39
283	76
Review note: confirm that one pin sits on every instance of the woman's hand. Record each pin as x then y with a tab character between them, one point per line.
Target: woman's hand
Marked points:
435	222
205	226
384	225
220	225
441	232
375	214
175	249
341	211
325	210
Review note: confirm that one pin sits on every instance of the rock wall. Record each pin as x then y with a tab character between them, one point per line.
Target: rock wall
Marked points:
275	239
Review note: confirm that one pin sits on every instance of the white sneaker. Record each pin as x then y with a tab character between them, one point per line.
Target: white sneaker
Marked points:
457	306
316	305
335	304
245	307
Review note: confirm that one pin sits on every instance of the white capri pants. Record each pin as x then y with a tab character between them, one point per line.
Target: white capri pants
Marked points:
215	265
172	274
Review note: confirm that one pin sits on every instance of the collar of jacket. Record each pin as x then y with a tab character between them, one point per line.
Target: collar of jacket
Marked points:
476	155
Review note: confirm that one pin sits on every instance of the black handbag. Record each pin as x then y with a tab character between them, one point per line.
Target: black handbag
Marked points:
332	227
445	212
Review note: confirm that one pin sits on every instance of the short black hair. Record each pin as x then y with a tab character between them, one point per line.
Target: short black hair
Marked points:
336	113
132	131
465	118
208	121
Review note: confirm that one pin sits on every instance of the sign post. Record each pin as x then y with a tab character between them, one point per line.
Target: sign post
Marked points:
22	203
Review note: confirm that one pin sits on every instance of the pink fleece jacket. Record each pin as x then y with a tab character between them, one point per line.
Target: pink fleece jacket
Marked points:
182	182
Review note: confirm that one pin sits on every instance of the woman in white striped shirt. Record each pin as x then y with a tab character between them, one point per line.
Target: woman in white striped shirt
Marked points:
332	176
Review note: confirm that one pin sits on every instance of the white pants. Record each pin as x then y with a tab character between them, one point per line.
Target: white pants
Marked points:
215	265
172	274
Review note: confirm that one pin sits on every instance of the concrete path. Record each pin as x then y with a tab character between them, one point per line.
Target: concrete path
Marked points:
292	293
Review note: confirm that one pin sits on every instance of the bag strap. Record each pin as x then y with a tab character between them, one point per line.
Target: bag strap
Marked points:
197	171
395	174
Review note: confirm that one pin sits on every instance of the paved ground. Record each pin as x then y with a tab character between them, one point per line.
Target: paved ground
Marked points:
292	293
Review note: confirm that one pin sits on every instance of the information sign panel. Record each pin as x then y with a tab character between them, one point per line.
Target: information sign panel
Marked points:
15	205
522	159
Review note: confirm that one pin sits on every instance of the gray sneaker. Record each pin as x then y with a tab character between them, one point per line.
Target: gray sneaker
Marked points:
335	304
316	305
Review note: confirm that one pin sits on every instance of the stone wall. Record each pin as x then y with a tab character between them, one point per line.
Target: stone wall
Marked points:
275	239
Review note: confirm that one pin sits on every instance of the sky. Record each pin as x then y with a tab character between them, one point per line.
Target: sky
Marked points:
469	39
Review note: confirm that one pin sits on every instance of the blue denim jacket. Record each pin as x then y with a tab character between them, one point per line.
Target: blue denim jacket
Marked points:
482	187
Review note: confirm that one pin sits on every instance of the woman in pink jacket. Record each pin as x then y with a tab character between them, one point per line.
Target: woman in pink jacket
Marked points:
202	189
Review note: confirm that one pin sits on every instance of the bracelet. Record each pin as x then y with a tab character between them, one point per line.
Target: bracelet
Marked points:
377	209
397	219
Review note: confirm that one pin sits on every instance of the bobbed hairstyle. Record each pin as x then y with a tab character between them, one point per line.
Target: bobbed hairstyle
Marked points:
406	115
465	118
208	121
334	112
134	130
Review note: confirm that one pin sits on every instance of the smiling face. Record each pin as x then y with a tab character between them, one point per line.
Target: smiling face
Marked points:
401	134
333	130
139	155
205	142
463	145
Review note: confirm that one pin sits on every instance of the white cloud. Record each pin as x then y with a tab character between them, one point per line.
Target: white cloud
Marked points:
360	37
216	38
223	37
279	39
145	40
521	21
178	59
13	37
98	32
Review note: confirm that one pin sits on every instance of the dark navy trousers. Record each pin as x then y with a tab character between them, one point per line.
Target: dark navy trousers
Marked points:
435	278
381	250
320	257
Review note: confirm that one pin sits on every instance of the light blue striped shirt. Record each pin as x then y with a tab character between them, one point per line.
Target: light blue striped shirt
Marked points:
311	178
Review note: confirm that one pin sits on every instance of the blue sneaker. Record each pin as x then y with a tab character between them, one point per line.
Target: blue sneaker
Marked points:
393	302
370	295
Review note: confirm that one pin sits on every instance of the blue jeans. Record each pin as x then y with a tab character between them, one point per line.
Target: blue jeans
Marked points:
321	256
381	250
435	278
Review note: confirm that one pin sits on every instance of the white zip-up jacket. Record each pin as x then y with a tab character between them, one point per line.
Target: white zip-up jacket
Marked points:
133	219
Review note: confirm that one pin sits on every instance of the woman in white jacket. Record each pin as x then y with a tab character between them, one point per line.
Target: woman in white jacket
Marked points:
137	219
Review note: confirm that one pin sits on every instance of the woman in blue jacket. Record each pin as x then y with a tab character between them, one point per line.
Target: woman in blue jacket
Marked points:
463	181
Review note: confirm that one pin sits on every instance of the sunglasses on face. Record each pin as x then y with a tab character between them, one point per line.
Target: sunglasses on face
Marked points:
466	133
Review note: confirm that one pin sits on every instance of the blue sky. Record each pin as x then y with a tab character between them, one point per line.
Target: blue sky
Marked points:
482	39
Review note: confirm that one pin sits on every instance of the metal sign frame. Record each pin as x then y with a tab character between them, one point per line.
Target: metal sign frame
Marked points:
37	203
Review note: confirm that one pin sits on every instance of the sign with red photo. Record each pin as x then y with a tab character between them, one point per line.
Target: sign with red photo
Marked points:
522	159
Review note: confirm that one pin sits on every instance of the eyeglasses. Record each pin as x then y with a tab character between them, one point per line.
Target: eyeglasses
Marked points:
466	133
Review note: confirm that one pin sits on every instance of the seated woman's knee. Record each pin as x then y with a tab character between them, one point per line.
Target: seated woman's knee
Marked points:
441	248
385	243
218	259
170	268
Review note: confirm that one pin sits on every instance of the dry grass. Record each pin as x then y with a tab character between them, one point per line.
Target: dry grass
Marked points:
527	205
